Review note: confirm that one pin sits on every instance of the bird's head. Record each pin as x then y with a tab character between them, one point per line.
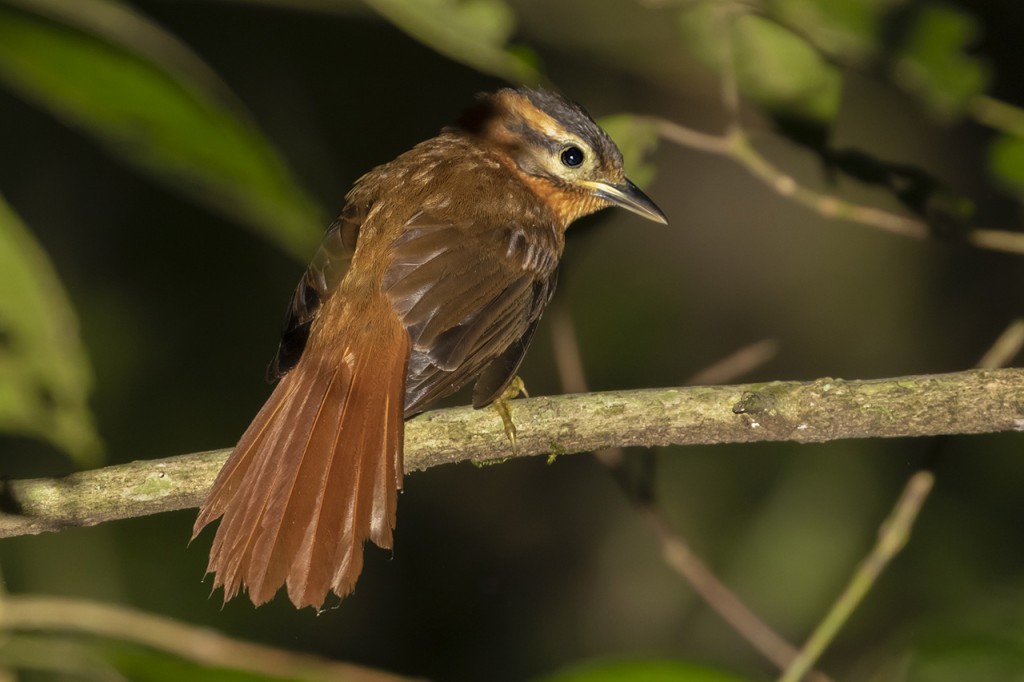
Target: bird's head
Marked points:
559	151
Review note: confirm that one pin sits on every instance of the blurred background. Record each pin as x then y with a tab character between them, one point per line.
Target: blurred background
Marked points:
168	167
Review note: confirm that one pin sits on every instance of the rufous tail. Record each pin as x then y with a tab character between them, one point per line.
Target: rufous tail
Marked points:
316	473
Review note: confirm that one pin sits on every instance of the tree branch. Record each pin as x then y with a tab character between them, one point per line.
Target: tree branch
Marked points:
892	537
203	646
975	401
736	144
675	549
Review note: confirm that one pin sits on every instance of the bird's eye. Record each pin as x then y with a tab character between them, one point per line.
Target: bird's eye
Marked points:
572	156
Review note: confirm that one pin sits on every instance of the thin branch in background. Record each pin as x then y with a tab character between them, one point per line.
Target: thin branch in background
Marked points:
566	346
56	657
569	365
740	363
674	548
1005	348
895	531
892	538
999	115
735	144
686	563
997	240
199	645
7	673
725	16
690	138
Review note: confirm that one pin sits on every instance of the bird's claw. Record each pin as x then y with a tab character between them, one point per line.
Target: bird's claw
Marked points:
502	405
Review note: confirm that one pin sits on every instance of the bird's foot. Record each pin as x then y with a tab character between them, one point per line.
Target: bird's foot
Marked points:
503	405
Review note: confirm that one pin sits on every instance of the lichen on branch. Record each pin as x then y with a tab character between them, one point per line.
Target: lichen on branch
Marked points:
969	402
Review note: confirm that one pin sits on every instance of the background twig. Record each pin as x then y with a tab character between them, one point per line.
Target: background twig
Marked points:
894	533
201	645
675	549
736	145
891	539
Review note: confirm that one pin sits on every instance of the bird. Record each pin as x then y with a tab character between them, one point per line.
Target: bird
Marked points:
435	274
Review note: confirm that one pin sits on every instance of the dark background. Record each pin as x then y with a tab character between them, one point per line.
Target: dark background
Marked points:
509	571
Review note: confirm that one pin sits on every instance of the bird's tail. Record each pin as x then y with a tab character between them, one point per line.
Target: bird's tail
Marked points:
317	472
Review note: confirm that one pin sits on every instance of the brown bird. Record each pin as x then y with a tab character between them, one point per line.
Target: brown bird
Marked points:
435	273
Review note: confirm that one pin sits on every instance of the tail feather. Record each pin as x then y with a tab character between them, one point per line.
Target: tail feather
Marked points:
292	505
229	480
348	496
315	474
384	507
248	468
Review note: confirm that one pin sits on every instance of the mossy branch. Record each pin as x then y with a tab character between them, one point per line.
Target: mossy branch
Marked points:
976	401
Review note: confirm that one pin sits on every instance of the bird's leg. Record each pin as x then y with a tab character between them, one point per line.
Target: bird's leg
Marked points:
502	404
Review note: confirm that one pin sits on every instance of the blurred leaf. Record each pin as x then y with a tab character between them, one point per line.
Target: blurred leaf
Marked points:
61	657
919	191
162	121
1006	161
845	28
44	371
122	25
993	657
981	639
934	62
143	665
87	658
774	66
474	32
640	671
637	138
783	72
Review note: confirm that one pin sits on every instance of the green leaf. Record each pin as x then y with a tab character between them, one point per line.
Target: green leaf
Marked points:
44	372
160	117
640	671
473	32
121	25
53	657
848	29
783	72
989	656
143	665
934	62
774	66
981	638
1006	161
637	139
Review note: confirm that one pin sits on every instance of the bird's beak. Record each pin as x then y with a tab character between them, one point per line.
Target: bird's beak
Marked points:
628	196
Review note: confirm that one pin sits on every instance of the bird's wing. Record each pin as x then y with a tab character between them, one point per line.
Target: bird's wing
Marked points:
498	374
322	278
470	297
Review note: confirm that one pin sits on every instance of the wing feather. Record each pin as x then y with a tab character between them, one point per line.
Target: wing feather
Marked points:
320	281
463	307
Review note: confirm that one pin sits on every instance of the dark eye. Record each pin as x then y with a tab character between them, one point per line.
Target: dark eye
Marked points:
572	156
